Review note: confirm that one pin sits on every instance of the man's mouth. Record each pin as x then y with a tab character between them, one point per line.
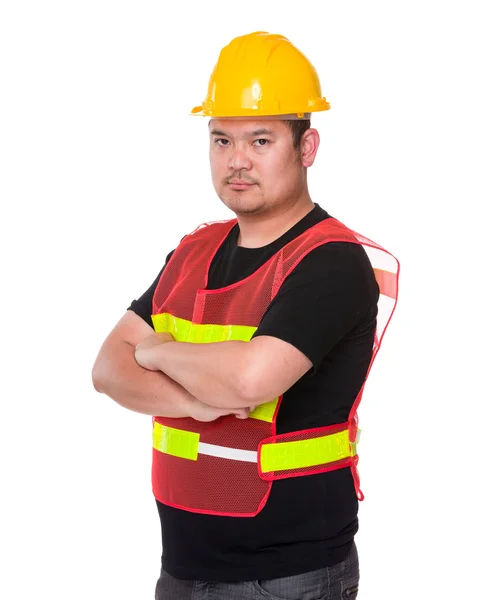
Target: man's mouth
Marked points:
239	184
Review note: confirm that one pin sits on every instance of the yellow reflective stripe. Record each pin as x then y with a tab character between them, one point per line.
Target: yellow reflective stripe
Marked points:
200	333
177	442
300	454
264	412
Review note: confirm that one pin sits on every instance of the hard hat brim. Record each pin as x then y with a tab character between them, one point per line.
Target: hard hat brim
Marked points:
200	111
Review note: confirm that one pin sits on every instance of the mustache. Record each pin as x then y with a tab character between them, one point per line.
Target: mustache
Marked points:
239	177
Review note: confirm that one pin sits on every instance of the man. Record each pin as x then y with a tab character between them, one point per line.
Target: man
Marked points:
251	350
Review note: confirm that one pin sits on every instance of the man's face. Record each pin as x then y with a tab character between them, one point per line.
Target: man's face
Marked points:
254	165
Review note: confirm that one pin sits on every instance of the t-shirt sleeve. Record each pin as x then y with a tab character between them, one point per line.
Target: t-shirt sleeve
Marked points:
326	296
143	306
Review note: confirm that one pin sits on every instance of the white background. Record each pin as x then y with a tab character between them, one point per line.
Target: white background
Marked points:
103	171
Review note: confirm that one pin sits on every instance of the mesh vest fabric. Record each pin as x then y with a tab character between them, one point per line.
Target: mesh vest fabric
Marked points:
226	467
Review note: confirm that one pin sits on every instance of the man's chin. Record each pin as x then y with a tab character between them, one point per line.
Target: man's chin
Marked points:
242	204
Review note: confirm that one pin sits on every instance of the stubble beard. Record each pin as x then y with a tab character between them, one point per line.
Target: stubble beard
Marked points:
244	203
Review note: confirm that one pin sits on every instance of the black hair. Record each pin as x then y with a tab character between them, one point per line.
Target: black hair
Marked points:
298	127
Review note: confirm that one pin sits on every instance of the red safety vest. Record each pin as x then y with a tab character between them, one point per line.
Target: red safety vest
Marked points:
226	467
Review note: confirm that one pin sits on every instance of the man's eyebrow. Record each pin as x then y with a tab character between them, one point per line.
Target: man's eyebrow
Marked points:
262	131
255	133
218	132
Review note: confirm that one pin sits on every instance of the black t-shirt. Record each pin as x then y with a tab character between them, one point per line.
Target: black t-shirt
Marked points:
327	309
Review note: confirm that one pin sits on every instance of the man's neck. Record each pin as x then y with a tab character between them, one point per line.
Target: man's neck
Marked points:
262	230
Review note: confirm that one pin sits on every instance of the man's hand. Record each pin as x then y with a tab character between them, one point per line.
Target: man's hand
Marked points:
203	412
145	352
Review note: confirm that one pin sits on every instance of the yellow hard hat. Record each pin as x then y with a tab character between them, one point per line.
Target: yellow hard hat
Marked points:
262	74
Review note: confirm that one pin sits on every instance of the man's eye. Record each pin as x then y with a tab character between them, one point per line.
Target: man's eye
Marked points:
262	142
221	142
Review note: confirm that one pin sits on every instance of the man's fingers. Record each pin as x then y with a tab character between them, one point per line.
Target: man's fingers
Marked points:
242	413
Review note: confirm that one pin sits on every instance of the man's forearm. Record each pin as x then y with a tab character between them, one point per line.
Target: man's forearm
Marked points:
117	374
215	373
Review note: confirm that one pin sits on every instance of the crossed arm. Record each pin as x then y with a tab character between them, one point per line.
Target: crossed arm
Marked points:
153	374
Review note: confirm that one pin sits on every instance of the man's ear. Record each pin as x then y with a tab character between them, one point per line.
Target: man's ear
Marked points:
310	142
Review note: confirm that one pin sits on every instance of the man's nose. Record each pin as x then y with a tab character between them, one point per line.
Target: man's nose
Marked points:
239	160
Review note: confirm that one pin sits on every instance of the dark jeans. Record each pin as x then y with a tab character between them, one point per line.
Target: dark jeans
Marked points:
339	582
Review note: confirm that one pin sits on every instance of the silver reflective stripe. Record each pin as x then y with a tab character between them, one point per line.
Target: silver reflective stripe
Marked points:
224	452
